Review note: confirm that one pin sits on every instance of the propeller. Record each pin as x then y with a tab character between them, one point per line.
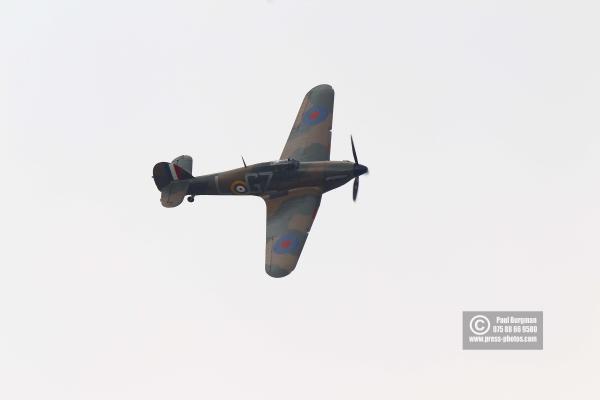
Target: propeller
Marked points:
358	170
353	150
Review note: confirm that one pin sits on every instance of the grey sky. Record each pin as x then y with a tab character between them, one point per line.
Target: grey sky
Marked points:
478	121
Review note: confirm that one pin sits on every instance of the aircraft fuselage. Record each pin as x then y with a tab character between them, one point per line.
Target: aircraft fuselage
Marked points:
276	178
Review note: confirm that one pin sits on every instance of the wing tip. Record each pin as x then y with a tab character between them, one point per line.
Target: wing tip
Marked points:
323	87
277	272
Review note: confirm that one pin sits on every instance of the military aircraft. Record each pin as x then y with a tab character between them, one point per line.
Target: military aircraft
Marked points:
291	186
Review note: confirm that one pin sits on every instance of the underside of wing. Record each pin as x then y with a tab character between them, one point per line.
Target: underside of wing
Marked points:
310	138
289	219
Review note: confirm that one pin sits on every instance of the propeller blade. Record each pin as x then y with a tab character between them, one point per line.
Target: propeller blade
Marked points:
353	150
355	189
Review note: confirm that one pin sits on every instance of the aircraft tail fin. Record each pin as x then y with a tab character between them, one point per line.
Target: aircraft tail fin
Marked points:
164	173
172	180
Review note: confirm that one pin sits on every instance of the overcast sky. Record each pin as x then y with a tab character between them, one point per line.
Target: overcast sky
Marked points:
478	121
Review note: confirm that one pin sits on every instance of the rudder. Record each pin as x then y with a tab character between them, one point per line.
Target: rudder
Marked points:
165	173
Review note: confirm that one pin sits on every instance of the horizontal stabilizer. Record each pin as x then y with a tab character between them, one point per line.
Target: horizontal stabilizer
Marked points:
172	195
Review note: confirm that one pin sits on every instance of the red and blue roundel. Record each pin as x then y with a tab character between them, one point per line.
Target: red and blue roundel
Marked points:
314	115
289	243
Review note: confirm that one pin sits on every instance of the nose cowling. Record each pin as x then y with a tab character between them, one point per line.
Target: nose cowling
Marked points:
359	169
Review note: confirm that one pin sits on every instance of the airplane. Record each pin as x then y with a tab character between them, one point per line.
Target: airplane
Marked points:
291	186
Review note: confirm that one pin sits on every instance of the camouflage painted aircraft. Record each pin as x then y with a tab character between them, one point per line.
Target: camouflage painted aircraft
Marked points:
291	187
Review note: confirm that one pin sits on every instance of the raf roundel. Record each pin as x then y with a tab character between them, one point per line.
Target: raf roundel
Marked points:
238	187
288	243
314	115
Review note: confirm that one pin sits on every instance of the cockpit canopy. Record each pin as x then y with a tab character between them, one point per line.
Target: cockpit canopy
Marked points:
289	164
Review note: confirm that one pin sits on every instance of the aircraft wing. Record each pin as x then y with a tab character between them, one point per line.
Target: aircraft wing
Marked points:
289	219
310	138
